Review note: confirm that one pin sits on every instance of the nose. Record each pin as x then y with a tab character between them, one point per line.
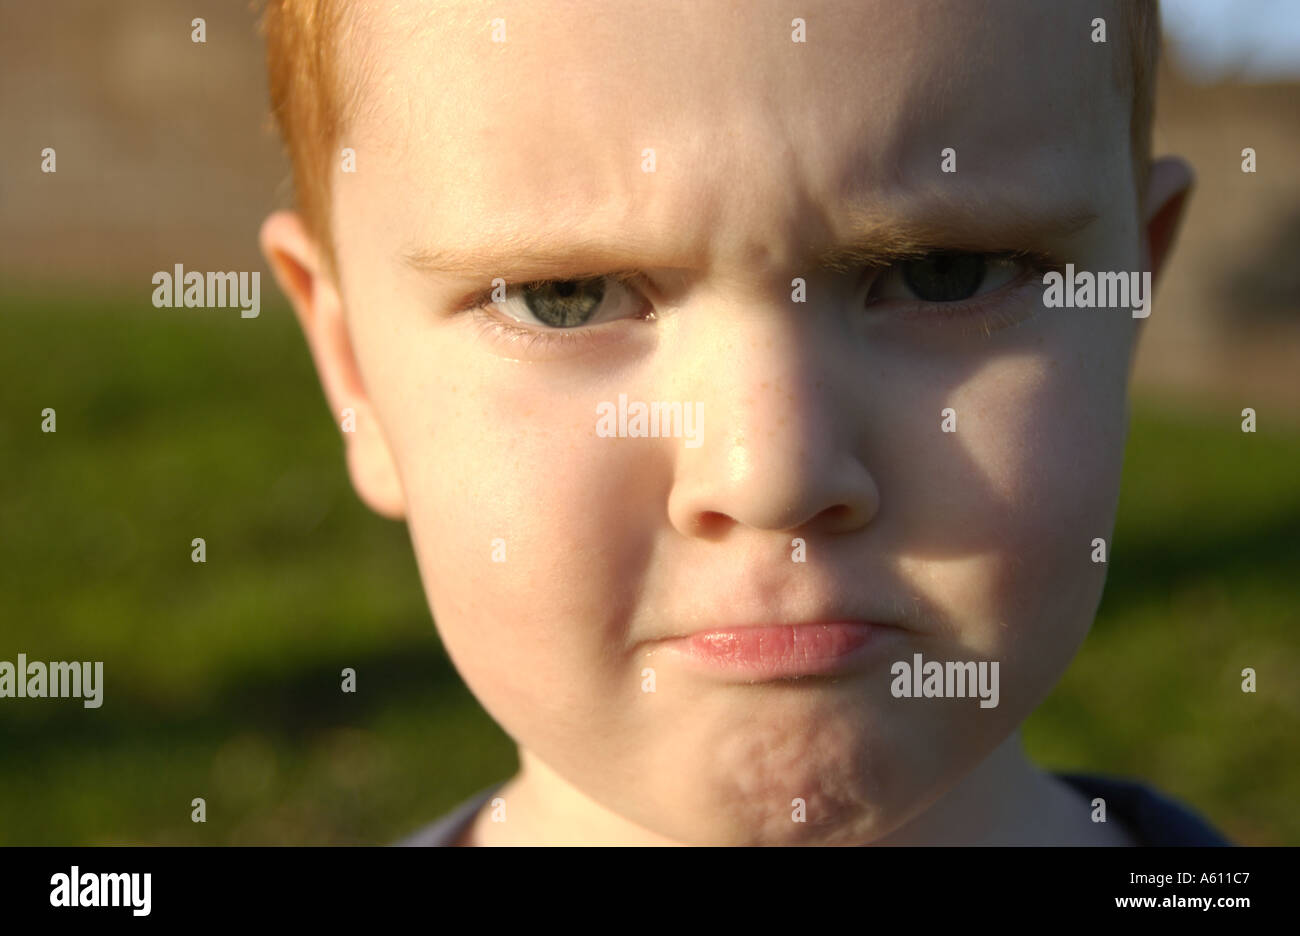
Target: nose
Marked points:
779	445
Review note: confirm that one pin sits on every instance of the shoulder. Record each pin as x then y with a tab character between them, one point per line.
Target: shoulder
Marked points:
446	830
1153	818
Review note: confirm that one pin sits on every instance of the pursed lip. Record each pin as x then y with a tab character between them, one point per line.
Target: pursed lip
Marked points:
781	650
739	625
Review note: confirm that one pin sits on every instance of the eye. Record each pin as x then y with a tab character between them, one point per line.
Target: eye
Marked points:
561	304
945	276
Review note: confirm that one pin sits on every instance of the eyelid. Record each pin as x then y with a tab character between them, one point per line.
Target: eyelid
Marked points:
492	328
484	297
1044	259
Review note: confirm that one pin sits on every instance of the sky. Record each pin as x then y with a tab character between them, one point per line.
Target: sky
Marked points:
1259	39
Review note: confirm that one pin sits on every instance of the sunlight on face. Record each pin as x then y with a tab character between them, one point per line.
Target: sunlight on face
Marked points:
676	167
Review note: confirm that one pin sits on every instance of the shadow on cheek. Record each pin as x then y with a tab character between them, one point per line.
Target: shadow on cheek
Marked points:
993	525
1014	451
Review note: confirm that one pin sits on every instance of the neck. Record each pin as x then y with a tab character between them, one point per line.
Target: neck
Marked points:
1006	800
1003	801
541	808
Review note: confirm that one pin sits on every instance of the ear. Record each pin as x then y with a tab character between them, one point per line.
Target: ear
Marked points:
298	267
1169	184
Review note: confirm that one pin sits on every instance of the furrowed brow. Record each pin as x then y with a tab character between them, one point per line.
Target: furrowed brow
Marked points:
874	238
878	238
530	257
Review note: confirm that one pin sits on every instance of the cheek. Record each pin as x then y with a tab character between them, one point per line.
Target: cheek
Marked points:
520	516
1032	481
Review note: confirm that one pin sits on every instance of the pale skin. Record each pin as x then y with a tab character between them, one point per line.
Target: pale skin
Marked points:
821	419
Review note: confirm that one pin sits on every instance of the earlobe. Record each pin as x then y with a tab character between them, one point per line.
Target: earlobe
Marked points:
1169	185
374	475
295	261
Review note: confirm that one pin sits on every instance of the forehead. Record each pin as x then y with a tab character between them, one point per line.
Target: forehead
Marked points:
554	122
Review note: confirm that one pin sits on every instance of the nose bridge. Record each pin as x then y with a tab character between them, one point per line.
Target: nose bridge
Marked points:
771	384
779	433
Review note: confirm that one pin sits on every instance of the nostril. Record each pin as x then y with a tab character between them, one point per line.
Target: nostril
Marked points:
844	517
837	514
710	523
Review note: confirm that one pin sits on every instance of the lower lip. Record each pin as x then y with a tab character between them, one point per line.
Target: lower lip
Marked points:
784	651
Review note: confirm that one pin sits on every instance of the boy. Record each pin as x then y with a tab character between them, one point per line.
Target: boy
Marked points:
809	595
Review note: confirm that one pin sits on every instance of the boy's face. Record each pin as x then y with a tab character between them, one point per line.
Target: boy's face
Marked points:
821	420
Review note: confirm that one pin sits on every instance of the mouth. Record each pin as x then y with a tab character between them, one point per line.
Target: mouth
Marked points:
781	651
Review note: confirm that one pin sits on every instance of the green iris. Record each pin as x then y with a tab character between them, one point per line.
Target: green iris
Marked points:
566	303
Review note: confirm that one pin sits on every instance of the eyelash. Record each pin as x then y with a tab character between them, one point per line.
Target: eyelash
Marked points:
530	339
985	310
989	312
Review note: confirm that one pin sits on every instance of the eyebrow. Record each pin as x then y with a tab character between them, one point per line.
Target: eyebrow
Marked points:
875	237
881	238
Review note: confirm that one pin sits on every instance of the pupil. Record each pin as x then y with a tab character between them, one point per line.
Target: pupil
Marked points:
945	277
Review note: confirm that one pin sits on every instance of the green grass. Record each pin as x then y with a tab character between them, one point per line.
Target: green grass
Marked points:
222	678
1204	581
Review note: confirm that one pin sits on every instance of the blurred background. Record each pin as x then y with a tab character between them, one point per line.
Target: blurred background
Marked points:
222	679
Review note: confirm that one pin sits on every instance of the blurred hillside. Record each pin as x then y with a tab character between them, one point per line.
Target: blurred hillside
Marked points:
1226	321
165	148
